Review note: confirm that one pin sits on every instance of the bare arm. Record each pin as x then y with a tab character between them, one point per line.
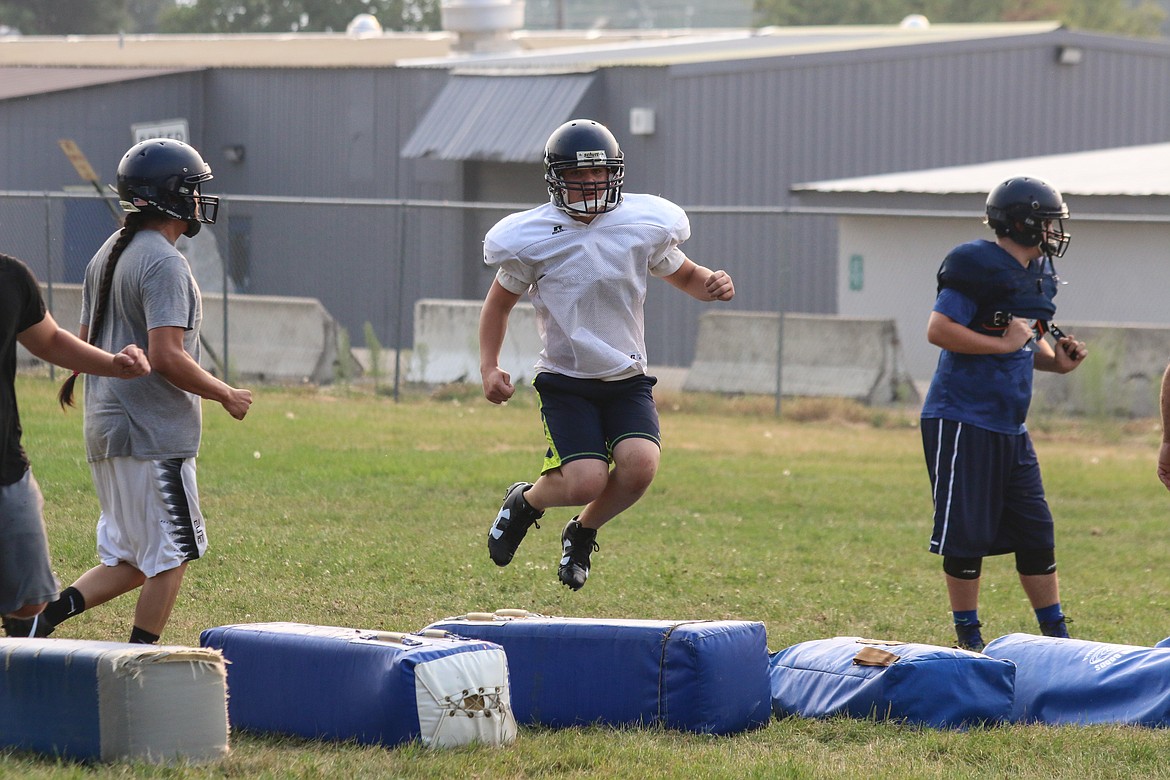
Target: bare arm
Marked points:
702	283
493	324
49	341
1164	453
168	357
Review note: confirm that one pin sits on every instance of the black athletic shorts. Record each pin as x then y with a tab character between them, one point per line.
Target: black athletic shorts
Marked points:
586	418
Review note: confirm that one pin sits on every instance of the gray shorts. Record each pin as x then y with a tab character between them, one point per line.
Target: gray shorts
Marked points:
26	573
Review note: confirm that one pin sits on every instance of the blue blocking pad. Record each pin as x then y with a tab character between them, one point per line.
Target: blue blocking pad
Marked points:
108	701
705	676
1073	681
368	686
919	684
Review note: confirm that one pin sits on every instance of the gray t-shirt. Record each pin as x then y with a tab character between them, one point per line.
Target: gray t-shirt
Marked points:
146	418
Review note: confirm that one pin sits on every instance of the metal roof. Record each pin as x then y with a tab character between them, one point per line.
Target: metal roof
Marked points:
1130	170
642	14
543	48
734	45
23	82
241	50
498	118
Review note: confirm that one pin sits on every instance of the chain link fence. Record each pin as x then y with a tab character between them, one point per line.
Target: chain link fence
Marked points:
370	261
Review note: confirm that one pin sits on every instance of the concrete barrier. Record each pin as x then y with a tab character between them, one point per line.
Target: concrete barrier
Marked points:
1121	377
736	352
446	342
273	338
822	356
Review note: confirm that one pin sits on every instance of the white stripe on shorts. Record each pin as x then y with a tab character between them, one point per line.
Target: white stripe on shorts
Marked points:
946	520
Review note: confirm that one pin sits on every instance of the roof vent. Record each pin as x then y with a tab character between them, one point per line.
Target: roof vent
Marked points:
363	26
482	25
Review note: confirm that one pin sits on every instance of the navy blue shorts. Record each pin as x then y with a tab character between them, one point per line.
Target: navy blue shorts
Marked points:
586	418
988	497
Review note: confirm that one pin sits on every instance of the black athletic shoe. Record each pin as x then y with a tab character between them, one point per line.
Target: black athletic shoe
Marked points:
511	524
969	637
26	627
578	543
1056	628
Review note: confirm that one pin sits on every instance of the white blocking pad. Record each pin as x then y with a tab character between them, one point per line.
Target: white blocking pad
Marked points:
112	701
447	713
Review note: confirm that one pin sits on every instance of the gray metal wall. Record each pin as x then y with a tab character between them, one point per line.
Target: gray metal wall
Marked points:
98	118
335	133
328	132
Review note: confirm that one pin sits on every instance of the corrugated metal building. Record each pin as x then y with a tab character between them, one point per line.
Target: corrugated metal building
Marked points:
895	229
721	122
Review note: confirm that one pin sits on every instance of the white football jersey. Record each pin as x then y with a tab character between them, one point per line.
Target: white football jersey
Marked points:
587	283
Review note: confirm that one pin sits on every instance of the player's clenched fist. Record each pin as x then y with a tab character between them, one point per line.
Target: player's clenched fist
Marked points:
720	287
131	363
497	385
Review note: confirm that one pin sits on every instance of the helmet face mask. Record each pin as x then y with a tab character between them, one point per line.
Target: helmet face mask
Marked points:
163	176
1030	212
586	194
580	145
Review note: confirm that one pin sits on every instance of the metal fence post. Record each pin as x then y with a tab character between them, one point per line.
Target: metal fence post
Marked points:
226	262
49	267
401	295
781	276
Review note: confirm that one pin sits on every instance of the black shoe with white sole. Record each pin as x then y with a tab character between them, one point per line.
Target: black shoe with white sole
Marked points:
578	543
511	524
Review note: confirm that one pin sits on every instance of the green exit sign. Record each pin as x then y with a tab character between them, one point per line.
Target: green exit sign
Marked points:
856	272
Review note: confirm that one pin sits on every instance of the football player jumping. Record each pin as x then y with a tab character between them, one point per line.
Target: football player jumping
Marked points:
583	259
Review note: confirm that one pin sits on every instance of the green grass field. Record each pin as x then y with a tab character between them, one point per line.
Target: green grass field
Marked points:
340	507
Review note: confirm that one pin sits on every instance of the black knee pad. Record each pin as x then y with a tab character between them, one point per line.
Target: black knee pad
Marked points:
963	568
1034	562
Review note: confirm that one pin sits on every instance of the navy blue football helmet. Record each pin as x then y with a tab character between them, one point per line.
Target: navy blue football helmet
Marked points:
1029	211
163	176
583	143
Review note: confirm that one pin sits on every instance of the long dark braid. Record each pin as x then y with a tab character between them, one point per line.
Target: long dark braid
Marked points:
135	221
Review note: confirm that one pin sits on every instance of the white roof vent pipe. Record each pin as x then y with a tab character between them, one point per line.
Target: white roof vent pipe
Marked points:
482	25
363	26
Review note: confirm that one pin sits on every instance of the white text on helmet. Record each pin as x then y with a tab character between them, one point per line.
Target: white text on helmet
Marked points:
595	156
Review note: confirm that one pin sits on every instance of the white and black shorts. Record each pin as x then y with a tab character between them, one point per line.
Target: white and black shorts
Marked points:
150	513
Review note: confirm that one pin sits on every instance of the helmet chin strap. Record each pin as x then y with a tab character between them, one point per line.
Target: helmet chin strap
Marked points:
588	206
193	227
